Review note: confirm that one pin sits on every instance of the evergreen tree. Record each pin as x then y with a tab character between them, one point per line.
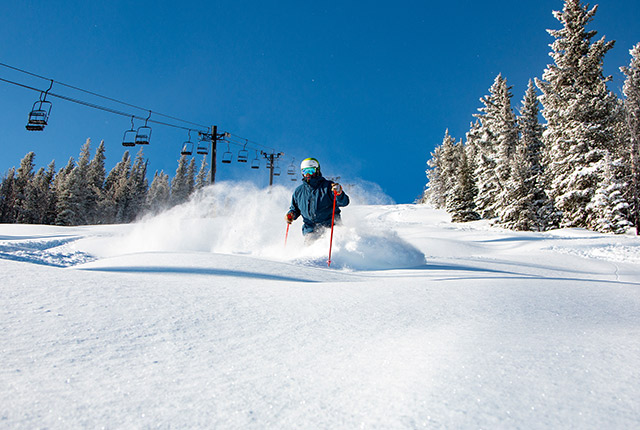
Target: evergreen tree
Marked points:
528	206
95	180
37	197
158	195
8	197
461	204
65	203
23	178
115	202
191	174
609	204
203	175
440	175
79	185
138	187
434	193
495	146
580	113
631	91
180	183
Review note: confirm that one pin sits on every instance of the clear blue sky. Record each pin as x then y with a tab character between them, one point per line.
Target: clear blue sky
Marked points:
366	87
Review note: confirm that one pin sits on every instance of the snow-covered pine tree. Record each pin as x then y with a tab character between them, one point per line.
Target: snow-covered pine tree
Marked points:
24	175
116	195
580	112
8	197
138	187
433	192
494	146
191	176
180	183
631	91
203	175
65	210
440	172
36	203
159	192
528	206
79	185
609	203
95	179
461	202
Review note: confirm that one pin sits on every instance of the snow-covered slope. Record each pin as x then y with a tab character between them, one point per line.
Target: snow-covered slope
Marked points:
201	318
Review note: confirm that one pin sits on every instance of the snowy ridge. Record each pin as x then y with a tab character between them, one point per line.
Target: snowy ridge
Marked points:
201	318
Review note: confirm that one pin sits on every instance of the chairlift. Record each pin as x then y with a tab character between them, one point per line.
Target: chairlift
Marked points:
243	154
129	138
143	135
227	156
291	170
276	170
187	146
203	147
39	116
255	164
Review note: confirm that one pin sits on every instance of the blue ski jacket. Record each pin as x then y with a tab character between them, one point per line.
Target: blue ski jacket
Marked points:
313	200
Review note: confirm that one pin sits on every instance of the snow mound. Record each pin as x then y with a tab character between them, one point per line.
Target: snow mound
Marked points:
49	251
609	252
357	249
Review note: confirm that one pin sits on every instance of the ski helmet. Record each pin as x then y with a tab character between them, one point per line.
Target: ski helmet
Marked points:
309	162
310	167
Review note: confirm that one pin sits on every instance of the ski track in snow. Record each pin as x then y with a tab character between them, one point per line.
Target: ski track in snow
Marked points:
201	318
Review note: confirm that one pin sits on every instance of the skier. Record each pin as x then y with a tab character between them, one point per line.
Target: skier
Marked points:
313	199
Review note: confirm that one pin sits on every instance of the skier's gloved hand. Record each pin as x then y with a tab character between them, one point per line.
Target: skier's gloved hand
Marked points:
289	217
336	188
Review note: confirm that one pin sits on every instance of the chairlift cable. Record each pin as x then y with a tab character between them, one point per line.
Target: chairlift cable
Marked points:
100	95
95	106
229	138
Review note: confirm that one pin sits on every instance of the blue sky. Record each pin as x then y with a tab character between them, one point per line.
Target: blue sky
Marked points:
368	88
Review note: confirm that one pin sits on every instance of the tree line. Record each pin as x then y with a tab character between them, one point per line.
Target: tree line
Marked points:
83	193
578	168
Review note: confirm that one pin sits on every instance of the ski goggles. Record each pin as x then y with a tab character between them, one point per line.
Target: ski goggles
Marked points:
308	171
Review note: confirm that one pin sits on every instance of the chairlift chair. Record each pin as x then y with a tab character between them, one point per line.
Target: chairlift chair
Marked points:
143	135
129	138
38	117
227	156
276	171
187	146
255	164
291	171
243	154
203	147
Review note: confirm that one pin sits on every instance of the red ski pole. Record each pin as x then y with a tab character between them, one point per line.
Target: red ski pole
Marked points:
333	217
286	235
